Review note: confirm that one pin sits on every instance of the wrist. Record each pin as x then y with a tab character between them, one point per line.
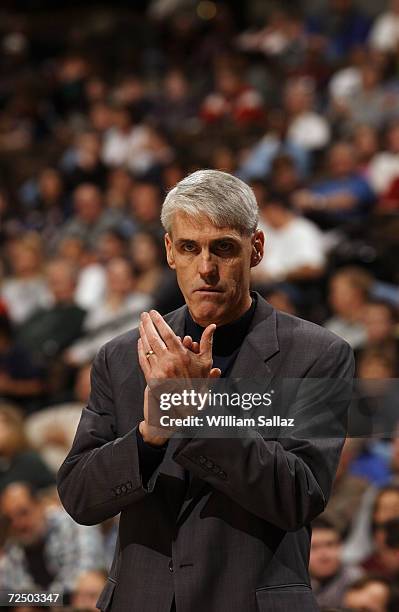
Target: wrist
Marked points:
149	436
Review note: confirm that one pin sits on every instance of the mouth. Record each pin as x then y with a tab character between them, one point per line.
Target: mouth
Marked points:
208	290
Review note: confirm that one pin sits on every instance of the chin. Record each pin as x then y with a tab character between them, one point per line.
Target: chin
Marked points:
205	314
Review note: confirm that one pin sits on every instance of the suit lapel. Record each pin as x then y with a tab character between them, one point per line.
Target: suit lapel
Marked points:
260	344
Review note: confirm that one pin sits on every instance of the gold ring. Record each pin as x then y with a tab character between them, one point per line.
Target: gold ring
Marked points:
149	353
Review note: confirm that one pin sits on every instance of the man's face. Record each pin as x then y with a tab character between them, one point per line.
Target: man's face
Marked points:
213	267
25	515
324	554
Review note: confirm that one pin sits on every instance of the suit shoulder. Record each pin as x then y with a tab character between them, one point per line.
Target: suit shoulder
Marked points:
303	331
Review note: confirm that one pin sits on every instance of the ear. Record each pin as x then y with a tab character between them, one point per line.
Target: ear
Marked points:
169	252
258	244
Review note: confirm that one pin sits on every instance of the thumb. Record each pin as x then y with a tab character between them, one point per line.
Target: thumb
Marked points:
207	340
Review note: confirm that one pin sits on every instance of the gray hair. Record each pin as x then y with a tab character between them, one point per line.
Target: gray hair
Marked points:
223	198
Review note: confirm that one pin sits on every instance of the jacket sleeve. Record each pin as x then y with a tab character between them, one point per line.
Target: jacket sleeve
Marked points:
101	474
286	481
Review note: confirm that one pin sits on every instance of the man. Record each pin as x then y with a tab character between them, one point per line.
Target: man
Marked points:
330	578
45	550
90	219
206	524
347	295
295	249
344	196
48	331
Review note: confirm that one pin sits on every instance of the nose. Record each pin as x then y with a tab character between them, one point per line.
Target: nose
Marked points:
208	268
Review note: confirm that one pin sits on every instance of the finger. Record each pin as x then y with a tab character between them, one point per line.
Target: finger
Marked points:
207	340
215	373
195	347
143	361
153	338
165	331
188	342
143	336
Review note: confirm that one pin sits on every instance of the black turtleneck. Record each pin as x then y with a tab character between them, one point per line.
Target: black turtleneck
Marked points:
227	341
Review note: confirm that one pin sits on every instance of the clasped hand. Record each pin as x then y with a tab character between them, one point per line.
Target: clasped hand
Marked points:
164	356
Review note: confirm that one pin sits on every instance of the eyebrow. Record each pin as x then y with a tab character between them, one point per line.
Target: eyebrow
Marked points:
181	241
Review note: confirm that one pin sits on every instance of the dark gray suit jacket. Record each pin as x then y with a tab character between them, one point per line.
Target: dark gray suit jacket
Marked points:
238	537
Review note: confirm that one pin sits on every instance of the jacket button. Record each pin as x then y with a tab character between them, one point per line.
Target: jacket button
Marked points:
223	475
209	464
216	469
118	490
124	488
171	566
202	459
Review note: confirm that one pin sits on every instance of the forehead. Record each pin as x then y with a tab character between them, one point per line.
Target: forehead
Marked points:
200	229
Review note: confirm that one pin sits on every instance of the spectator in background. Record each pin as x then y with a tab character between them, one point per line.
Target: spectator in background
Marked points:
51	430
384	561
25	290
330	578
306	128
20	380
82	164
257	162
284	176
348	295
343	196
372	102
147	256
340	29
119	185
100	118
87	590
176	107
282	39
283	296
90	283
395	457
294	245
112	244
370	593
51	330
45	204
118	312
45	550
145	206
380	321
19	462
132	92
365	140
384	35
91	219
384	167
348	490
232	100
136	147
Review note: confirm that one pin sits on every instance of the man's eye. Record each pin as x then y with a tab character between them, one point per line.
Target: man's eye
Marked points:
224	246
189	247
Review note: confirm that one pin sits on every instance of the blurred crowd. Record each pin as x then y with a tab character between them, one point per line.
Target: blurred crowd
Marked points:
102	111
